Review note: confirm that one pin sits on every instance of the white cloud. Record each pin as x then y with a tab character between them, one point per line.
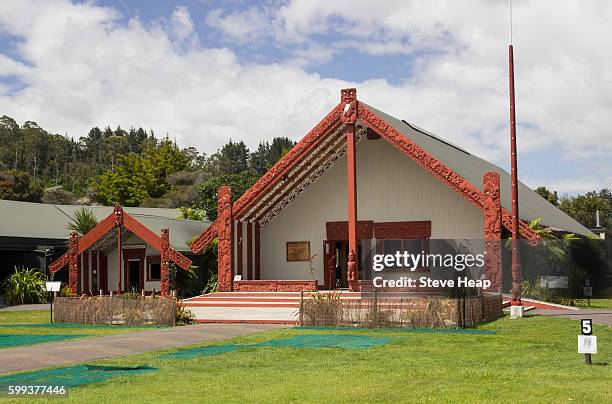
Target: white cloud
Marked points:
78	66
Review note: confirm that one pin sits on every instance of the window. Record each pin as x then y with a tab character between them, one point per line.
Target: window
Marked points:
154	272
153	268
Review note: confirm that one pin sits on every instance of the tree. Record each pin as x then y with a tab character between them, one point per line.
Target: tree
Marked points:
136	178
583	208
233	158
278	148
238	182
82	221
548	195
18	186
259	158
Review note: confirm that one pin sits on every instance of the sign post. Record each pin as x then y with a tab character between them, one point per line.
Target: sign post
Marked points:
52	287
587	343
588	291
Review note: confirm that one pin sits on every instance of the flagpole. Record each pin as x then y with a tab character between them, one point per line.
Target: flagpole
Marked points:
517	308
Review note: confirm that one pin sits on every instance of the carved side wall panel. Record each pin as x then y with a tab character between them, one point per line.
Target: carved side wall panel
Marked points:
492	229
224	231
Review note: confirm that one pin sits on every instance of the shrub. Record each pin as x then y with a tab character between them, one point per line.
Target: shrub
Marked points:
183	316
212	285
25	286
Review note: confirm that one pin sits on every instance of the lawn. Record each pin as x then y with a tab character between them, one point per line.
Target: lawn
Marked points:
35	323
533	359
596	303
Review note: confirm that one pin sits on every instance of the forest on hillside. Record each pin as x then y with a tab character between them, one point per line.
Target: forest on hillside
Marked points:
133	167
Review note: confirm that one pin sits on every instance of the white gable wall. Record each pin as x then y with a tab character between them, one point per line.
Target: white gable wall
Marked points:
390	187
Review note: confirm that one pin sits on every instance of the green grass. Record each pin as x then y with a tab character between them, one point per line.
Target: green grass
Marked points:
36	321
533	359
597	303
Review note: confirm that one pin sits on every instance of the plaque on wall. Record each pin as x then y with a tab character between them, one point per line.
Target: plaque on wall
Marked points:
298	251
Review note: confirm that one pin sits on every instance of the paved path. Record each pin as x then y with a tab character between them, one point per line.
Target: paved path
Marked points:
87	349
599	316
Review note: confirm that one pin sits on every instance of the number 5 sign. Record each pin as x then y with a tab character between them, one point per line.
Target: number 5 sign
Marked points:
587	343
586	325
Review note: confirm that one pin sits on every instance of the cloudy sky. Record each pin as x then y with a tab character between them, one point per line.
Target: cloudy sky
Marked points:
206	71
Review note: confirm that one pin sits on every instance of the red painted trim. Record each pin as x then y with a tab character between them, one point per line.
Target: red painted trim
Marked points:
349	117
253	305
239	246
142	232
204	321
275	174
257	251
119	218
250	251
289	161
437	168
205	238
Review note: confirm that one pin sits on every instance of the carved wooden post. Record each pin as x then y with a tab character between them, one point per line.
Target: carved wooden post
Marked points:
164	263
73	262
349	117
225	256
492	229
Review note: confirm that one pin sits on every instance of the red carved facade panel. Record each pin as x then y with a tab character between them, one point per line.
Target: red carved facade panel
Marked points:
73	262
274	286
339	230
224	230
417	230
164	277
492	229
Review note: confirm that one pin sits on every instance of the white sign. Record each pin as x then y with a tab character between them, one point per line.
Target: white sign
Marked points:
587	344
53	286
237	278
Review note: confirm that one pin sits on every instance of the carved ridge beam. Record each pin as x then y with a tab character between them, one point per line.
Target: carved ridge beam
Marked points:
304	185
205	238
290	160
436	167
303	175
296	175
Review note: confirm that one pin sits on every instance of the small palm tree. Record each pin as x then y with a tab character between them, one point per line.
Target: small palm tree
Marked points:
82	221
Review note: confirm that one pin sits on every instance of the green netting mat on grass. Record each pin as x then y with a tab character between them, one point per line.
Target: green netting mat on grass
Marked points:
401	329
344	341
203	351
71	376
69	325
12	340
